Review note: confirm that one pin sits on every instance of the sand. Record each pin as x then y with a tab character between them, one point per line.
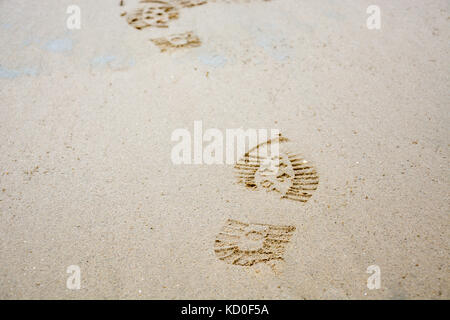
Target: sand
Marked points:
86	176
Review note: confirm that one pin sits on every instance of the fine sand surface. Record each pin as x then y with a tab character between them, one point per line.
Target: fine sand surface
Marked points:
86	176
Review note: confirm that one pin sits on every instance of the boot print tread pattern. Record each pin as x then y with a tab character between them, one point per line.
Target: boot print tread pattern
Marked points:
287	173
177	41
246	244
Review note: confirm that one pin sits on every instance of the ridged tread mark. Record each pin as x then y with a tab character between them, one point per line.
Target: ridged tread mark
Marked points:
189	3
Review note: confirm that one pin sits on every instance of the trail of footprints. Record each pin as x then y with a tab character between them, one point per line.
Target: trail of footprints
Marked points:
158	14
286	173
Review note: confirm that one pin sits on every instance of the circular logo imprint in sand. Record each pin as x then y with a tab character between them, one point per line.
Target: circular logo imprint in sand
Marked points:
252	238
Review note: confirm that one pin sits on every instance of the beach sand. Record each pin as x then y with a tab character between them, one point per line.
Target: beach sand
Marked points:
87	179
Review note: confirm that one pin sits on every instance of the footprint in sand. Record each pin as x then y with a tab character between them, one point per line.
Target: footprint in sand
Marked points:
248	244
176	41
151	14
285	172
